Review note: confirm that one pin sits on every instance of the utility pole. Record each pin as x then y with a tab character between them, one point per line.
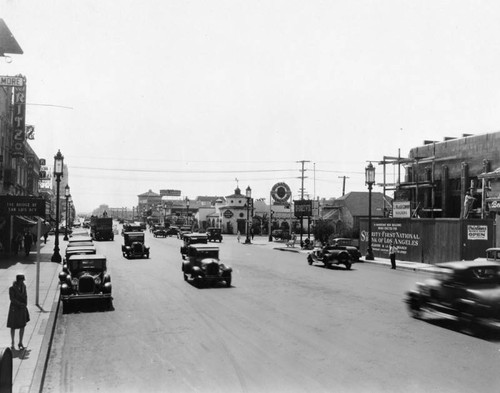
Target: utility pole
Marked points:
302	198
343	183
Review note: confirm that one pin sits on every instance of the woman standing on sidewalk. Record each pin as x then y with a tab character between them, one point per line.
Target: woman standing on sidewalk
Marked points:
18	311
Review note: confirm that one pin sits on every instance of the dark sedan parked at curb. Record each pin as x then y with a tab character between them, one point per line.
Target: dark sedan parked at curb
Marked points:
469	291
85	277
202	265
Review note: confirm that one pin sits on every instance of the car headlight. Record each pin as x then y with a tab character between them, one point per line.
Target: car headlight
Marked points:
74	281
98	280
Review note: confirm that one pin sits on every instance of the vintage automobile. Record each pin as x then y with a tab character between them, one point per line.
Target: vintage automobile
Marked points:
85	277
467	290
193	238
160	231
172	230
79	238
280	234
79	250
183	230
214	234
133	246
202	265
131	227
349	245
330	255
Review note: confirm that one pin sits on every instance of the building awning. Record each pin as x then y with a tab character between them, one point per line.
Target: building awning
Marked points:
26	220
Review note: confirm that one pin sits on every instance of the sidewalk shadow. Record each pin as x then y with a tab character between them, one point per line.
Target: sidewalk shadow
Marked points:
22	354
8	260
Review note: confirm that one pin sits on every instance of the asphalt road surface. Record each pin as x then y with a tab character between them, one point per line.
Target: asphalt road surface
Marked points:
283	326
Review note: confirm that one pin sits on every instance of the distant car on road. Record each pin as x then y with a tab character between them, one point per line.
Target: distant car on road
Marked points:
214	234
467	290
160	231
280	234
183	230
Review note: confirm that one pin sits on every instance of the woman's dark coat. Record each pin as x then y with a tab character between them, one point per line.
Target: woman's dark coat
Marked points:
18	311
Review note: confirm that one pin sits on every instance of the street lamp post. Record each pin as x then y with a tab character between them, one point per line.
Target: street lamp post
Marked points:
58	172
66	195
249	196
187	210
370	180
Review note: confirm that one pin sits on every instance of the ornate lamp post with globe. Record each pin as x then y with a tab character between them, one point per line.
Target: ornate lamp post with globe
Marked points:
58	173
370	181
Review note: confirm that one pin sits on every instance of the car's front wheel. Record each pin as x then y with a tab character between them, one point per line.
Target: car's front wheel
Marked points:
415	308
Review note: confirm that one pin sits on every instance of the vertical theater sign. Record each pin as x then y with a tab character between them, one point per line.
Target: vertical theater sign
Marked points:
18	83
19	119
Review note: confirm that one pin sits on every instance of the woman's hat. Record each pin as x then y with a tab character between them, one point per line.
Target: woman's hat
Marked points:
20	277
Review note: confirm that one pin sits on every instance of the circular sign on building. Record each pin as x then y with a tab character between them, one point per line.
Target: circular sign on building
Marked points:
281	192
228	214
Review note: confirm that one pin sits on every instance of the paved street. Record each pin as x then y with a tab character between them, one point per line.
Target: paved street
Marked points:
283	326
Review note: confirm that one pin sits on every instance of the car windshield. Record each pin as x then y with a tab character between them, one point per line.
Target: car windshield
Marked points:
92	264
136	238
208	254
485	274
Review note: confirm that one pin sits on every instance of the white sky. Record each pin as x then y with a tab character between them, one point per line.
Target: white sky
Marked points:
203	92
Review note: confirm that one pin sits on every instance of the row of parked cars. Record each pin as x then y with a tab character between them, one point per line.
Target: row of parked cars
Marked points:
212	233
84	274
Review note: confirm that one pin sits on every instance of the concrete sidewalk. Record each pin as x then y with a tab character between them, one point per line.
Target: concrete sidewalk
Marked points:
403	265
28	365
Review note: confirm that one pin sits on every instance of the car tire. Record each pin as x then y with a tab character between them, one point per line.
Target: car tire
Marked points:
348	265
415	308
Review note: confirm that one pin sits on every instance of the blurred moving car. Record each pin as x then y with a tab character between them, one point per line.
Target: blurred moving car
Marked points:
133	245
85	277
201	263
466	290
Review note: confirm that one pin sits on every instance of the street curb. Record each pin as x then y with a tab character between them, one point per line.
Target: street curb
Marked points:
44	354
